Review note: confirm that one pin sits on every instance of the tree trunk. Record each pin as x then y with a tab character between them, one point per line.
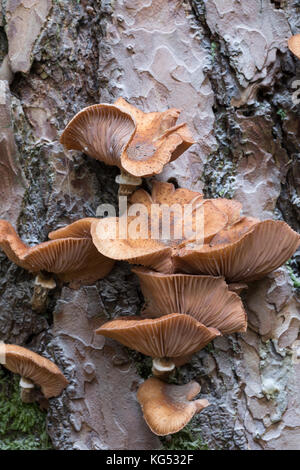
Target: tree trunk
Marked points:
227	66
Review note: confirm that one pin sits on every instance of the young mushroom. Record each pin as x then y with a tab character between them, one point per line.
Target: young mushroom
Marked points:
167	408
34	370
205	298
139	143
70	255
211	237
167	339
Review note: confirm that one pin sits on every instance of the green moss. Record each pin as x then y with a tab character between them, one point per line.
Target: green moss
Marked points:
22	426
209	348
281	113
294	278
188	438
213	48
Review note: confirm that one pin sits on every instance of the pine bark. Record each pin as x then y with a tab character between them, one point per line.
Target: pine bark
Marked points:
227	66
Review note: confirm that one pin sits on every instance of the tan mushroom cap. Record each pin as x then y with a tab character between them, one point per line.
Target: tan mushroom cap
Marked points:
234	232
136	251
79	229
205	298
165	193
265	247
38	369
294	45
73	258
167	408
163	205
122	135
170	336
241	249
102	131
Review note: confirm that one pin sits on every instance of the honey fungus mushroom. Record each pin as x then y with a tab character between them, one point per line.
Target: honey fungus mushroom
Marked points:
34	370
70	255
167	408
163	210
240	249
205	298
139	143
170	340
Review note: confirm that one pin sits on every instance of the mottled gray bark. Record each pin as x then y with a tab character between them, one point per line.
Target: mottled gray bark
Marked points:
226	65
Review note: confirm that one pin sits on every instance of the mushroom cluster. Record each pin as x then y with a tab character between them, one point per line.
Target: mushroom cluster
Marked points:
139	143
193	257
190	280
70	255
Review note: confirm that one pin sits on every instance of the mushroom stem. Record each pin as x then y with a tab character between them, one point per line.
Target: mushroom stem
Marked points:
42	285
26	390
162	367
127	183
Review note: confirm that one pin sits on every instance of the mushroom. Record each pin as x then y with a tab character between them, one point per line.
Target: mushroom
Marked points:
70	255
167	408
164	226
241	249
169	338
205	298
34	370
139	143
262	249
43	283
294	45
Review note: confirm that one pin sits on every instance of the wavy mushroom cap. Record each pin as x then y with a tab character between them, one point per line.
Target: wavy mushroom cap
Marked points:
168	408
205	298
102	131
294	45
71	254
122	135
38	369
241	249
169	219
171	336
263	248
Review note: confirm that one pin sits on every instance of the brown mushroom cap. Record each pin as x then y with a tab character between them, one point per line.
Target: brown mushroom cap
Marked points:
234	232
73	258
265	247
205	298
40	370
157	141
122	135
294	45
79	229
235	247
168	408
102	131
170	336
136	251
157	253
